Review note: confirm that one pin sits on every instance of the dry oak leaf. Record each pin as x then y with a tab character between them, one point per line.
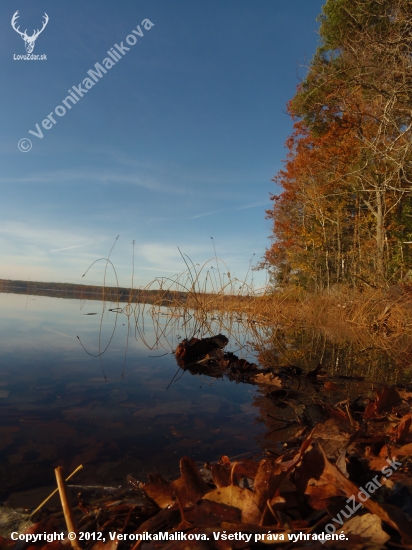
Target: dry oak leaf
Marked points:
252	504
269	476
333	483
189	488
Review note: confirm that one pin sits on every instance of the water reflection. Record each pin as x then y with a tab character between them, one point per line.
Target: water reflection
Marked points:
375	357
90	384
58	406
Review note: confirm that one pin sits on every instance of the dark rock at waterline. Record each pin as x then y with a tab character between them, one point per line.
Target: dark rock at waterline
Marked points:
206	356
195	349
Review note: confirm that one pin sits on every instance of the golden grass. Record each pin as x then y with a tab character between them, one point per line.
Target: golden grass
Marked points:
206	299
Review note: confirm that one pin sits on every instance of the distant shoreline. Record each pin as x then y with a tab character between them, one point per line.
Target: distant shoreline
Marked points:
86	292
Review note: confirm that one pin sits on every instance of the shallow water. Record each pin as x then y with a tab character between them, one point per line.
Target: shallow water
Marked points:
60	405
128	408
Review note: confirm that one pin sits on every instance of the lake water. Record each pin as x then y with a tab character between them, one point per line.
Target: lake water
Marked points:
129	409
117	416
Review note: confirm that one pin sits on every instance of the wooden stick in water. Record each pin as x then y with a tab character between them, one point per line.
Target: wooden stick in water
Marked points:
67	509
55	491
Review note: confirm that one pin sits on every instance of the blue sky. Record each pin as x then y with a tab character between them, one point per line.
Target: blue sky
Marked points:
175	144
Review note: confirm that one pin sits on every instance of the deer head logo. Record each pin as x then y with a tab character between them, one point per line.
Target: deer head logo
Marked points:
29	41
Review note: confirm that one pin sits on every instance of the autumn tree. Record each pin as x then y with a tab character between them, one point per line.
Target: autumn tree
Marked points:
347	179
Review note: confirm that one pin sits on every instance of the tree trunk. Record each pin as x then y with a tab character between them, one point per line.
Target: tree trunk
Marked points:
380	235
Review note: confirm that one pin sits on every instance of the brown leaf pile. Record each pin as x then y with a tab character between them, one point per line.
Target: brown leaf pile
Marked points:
351	474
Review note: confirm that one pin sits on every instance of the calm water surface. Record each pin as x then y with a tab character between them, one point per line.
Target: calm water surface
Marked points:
132	411
60	405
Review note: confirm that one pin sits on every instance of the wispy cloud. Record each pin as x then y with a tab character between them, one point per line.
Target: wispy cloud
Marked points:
95	176
208	213
234	208
77	245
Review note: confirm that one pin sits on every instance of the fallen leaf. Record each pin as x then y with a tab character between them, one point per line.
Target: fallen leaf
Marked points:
405	450
163	521
269	379
222	471
268	478
402	429
247	468
376	463
189	488
386	398
333	483
243	499
368	526
208	513
220	475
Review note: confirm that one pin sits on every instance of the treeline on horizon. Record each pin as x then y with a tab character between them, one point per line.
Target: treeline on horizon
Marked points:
344	216
88	292
160	296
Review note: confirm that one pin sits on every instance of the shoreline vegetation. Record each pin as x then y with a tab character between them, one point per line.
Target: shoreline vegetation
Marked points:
366	332
383	311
